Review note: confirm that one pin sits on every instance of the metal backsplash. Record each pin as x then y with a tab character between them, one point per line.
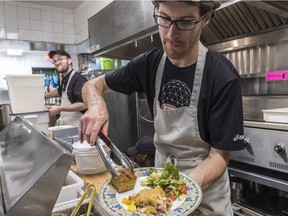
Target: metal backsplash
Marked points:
255	55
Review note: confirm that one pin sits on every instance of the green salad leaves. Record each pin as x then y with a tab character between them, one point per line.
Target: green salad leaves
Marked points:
169	180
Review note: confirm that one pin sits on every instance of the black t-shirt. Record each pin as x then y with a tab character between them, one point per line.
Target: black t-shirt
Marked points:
220	112
74	89
176	86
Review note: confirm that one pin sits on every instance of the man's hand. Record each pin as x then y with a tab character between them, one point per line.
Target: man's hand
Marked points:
207	172
91	123
54	110
96	117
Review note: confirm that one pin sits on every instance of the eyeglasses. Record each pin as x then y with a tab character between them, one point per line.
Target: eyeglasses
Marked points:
58	60
180	24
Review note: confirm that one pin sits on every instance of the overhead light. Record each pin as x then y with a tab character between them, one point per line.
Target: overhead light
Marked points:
14	52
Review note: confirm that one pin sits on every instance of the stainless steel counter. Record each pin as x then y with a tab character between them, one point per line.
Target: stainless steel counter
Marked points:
266	125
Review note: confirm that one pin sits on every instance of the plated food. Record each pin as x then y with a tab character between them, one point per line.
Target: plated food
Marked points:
149	201
111	199
166	187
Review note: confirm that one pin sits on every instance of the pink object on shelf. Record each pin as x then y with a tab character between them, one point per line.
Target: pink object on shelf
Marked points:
277	75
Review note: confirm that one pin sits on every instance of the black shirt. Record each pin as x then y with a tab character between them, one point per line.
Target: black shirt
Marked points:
220	112
74	90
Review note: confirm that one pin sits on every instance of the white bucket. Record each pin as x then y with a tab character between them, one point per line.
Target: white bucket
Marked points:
26	92
87	158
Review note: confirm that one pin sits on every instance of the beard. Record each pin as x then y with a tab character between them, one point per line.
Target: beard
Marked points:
175	50
62	68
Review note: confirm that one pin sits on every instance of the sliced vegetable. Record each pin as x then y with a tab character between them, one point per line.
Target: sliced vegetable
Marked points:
184	189
172	196
126	201
132	207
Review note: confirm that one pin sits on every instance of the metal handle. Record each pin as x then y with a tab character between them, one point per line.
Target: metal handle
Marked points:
109	163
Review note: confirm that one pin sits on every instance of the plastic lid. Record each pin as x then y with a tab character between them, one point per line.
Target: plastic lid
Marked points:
83	147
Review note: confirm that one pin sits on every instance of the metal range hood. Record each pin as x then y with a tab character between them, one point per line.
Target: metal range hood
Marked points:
122	23
125	29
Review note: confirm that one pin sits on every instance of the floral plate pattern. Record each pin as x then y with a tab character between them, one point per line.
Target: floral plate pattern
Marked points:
110	199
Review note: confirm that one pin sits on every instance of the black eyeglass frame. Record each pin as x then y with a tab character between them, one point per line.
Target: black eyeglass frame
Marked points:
176	21
58	60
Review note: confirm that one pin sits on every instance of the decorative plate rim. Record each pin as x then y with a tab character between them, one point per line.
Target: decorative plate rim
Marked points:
107	196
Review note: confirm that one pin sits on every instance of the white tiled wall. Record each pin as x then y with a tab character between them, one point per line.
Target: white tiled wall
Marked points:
30	22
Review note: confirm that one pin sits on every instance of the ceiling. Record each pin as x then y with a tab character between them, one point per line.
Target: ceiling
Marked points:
60	4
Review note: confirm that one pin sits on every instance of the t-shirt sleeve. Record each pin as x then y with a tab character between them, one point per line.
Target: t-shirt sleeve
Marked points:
129	78
226	118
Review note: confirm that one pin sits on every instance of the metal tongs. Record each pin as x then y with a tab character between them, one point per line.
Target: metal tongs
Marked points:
109	163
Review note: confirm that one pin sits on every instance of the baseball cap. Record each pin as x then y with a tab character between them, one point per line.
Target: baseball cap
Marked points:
59	52
207	5
143	145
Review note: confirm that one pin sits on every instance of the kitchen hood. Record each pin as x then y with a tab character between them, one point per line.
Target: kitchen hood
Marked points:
125	29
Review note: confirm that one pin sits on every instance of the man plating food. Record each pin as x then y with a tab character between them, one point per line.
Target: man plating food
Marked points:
194	94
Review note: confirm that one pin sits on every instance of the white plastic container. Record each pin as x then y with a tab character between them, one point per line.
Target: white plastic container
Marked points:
26	92
276	115
71	188
87	158
39	120
52	129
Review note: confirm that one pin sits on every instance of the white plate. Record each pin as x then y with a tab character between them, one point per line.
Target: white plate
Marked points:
110	199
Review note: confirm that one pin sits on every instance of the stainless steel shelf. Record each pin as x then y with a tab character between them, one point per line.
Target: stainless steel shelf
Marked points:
271	179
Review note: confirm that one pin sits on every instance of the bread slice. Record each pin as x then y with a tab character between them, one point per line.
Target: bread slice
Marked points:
125	182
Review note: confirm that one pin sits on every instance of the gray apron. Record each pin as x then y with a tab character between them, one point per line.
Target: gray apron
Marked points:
68	118
177	140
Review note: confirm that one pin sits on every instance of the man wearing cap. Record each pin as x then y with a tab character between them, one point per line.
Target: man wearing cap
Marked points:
143	153
194	95
70	90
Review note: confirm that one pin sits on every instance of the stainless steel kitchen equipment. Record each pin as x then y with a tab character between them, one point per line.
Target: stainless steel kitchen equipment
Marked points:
239	188
4	115
264	161
145	120
33	170
122	119
66	137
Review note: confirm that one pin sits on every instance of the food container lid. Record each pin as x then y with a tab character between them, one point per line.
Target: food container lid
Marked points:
83	147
